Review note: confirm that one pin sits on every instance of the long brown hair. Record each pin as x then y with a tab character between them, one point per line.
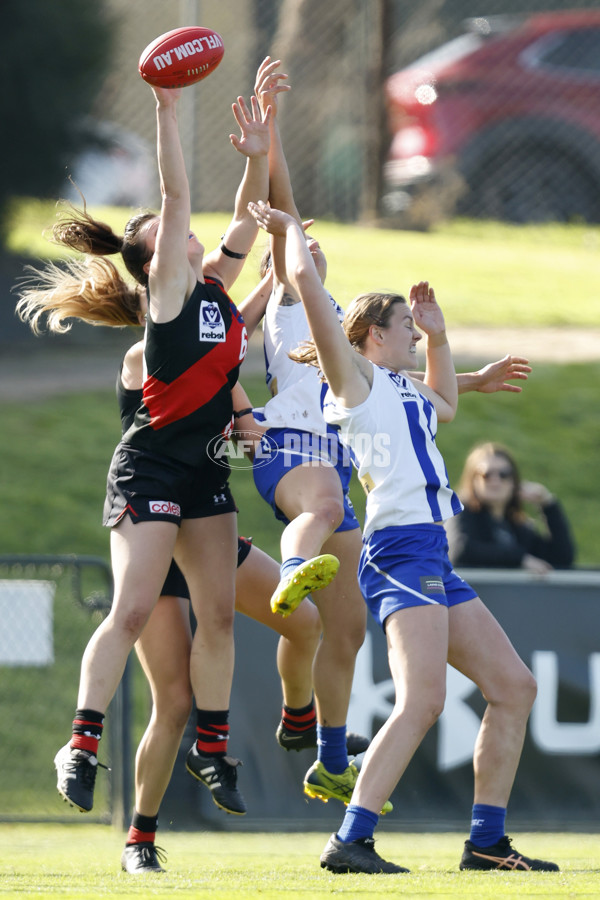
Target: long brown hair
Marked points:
89	288
466	486
368	309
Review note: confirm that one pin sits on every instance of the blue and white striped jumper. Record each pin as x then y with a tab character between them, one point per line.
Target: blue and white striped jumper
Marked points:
392	438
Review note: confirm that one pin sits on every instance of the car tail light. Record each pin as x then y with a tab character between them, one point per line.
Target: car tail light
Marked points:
413	140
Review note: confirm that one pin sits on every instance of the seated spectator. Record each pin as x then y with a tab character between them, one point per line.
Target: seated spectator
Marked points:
494	531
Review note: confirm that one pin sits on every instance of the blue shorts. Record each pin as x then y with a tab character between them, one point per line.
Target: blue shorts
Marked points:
407	565
283	449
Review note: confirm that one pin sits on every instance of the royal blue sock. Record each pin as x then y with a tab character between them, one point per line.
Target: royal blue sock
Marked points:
288	565
332	752
358	823
487	824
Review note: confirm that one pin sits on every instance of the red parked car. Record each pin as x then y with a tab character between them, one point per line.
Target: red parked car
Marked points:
502	122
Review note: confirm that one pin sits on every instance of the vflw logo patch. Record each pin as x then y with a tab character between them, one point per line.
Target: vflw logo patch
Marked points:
212	327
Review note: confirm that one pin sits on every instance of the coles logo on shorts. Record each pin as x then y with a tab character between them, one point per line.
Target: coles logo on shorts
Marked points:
164	506
212	326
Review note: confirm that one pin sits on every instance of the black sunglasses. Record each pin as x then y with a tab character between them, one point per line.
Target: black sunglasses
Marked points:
502	474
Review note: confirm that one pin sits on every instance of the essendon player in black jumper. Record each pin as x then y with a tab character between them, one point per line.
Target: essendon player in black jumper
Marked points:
163	648
165	498
186	402
186	393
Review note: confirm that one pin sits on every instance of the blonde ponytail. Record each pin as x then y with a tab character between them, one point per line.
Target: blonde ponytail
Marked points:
91	288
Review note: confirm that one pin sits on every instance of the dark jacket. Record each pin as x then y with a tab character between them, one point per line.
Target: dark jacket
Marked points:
477	540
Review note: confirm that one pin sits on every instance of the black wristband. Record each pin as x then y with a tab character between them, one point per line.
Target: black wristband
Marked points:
242	412
230	253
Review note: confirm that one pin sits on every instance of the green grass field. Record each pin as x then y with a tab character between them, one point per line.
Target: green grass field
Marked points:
53	463
50	861
485	273
52	496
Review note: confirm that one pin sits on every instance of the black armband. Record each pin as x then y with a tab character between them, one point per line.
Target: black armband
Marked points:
231	253
242	412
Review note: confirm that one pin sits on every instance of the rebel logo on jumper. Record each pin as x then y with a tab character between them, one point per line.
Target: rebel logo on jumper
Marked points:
212	326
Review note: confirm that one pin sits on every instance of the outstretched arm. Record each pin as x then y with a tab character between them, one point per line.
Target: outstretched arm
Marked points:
227	260
440	375
492	378
269	84
495	376
171	278
253	306
348	374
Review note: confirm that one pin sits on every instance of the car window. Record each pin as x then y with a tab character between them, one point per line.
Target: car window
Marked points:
450	52
577	50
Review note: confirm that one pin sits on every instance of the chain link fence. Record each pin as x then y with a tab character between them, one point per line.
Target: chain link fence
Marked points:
50	605
497	115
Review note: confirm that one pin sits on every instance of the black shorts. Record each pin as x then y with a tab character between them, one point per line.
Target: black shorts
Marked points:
153	488
175	584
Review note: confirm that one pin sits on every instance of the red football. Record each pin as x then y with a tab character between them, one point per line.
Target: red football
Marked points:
181	57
